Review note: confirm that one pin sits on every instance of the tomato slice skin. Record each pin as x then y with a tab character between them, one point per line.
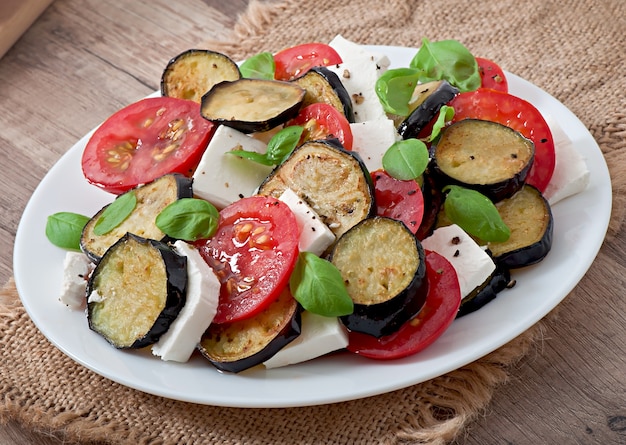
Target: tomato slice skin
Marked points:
491	75
253	254
144	141
442	304
322	121
518	114
398	199
295	61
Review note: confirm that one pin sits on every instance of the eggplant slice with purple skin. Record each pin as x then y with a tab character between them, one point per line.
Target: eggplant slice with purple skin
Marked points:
136	291
485	156
499	280
152	198
252	105
323	85
529	216
193	72
427	100
333	181
240	345
383	267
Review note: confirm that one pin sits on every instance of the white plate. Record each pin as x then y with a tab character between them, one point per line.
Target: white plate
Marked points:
580	226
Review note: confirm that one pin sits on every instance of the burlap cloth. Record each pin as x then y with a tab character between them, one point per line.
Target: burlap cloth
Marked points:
572	49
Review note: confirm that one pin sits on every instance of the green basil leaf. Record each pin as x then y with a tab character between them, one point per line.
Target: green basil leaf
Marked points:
446	113
259	66
259	158
406	159
449	60
395	88
278	149
283	143
115	213
318	286
475	213
188	219
64	229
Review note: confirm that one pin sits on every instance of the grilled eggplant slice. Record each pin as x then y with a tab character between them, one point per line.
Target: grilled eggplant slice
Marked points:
252	105
136	292
528	215
236	346
333	181
192	73
323	85
486	156
151	199
499	280
383	267
427	100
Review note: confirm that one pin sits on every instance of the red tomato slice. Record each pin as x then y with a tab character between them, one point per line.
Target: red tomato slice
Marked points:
438	313
323	121
144	141
253	254
295	61
518	114
397	199
491	75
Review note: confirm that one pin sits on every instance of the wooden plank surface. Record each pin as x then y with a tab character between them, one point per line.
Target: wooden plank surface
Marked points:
82	60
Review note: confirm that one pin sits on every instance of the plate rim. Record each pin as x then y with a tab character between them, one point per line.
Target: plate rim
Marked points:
286	400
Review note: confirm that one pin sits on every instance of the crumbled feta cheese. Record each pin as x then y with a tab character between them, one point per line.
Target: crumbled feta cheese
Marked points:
76	270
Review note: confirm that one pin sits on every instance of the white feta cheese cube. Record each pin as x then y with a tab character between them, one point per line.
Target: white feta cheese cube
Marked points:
349	50
470	261
320	335
76	270
315	236
203	291
359	71
225	178
372	139
571	175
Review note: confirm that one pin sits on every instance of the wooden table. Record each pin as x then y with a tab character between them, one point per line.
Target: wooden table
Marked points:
82	60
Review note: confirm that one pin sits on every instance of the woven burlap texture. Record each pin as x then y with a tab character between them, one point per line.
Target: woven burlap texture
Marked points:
572	49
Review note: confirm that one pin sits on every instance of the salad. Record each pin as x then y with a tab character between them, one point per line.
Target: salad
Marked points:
273	218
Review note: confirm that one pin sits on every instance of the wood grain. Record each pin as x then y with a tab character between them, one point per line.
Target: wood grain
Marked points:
82	60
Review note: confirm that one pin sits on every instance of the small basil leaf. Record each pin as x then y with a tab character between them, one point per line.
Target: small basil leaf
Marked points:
64	229
283	143
475	213
115	213
446	113
450	60
259	66
395	88
188	219
318	286
259	158
278	149
406	159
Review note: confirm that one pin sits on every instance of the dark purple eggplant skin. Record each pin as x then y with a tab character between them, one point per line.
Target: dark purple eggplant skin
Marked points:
290	331
495	191
335	83
499	280
385	318
184	189
286	336
426	111
534	253
176	288
221	91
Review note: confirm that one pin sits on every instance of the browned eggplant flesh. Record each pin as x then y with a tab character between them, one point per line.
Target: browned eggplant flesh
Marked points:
136	291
